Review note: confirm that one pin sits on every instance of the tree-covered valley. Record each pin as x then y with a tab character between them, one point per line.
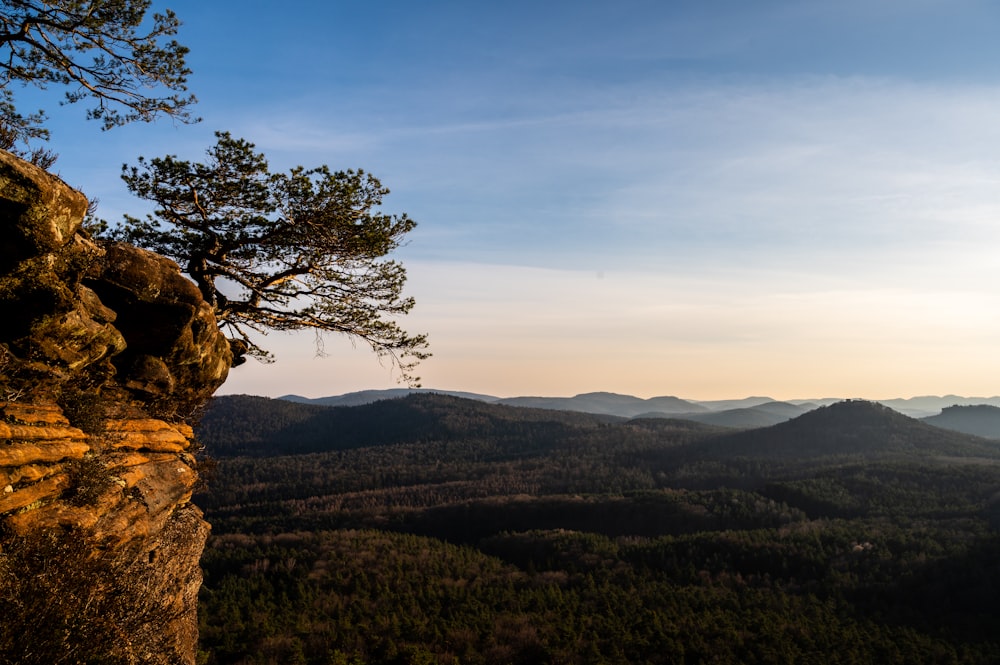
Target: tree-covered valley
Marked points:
434	529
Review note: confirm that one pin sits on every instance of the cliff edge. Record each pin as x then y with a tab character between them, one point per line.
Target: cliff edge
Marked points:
105	354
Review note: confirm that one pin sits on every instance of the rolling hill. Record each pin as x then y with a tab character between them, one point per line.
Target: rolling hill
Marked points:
258	426
628	406
249	425
608	403
761	415
979	419
853	427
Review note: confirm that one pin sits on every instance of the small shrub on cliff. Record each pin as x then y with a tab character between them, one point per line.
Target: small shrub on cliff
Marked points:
10	390
89	479
84	409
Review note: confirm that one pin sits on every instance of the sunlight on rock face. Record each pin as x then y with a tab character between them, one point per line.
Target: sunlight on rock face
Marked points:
103	354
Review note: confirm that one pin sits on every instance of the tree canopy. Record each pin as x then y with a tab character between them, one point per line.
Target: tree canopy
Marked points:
104	50
279	251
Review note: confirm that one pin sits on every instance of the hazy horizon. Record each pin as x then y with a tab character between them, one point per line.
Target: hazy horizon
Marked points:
732	398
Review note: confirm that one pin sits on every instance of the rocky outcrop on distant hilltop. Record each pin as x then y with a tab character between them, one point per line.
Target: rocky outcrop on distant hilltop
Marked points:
105	352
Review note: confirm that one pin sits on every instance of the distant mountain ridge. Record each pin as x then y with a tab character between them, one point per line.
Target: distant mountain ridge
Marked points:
258	426
747	412
362	397
612	404
979	419
761	415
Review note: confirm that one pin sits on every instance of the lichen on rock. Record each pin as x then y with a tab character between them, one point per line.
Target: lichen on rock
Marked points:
105	351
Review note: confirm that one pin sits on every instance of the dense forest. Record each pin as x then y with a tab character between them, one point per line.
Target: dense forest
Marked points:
434	529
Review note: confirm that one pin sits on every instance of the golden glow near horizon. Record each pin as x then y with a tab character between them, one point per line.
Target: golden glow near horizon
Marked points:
509	331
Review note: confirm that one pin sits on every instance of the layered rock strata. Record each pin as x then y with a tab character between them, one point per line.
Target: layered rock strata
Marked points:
105	353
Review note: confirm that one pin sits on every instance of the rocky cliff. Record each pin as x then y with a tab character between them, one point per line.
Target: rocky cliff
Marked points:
105	354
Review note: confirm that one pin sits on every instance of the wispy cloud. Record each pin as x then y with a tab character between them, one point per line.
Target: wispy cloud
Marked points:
716	197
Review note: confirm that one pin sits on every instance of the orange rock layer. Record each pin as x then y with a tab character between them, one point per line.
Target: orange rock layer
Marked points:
129	488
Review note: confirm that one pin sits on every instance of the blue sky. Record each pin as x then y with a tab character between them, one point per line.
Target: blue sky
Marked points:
704	199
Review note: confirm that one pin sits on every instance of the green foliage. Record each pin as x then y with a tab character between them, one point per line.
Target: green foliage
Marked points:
571	597
280	251
435	529
104	50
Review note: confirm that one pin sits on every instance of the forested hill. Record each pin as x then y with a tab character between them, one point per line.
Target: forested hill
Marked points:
258	426
850	428
979	419
433	529
244	425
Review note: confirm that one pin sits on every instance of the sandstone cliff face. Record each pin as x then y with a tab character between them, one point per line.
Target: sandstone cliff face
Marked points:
104	354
